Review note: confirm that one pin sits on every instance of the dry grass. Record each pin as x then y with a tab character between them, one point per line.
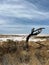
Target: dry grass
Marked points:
15	53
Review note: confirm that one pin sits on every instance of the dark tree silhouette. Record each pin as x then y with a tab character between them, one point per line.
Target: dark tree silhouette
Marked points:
33	33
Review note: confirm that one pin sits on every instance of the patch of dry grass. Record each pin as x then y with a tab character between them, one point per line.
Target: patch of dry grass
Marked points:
15	53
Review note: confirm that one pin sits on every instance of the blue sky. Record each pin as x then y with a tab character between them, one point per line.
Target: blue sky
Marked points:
20	16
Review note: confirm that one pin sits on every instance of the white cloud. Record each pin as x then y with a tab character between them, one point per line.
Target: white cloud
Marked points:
23	9
2	22
21	29
20	9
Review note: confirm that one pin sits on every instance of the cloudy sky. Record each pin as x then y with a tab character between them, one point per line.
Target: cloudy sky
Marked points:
20	16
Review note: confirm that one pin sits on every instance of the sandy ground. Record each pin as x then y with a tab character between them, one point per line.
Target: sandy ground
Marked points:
21	38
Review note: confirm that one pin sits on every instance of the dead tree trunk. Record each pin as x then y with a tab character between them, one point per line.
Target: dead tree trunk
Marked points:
33	33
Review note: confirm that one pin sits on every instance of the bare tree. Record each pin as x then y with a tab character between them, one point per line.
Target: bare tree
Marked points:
33	33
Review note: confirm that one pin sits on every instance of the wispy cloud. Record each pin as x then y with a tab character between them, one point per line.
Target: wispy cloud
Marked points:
23	9
21	29
20	14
